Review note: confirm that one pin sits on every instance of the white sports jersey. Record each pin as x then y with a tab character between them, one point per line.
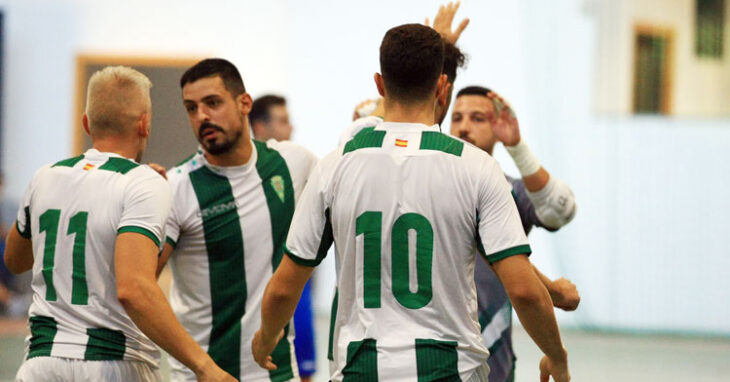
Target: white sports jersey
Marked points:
407	208
73	211
228	226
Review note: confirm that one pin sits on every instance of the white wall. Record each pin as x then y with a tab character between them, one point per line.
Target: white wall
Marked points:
645	248
44	38
700	86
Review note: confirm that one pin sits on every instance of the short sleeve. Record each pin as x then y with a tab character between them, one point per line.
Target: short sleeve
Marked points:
172	227
22	218
500	232
310	234
147	201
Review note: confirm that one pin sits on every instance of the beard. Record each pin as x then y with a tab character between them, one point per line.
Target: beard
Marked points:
217	147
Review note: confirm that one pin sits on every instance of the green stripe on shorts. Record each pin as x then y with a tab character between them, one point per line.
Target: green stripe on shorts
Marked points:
362	362
436	360
42	332
105	345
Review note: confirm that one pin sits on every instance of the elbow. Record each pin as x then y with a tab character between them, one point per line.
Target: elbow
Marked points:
129	294
279	295
526	296
556	216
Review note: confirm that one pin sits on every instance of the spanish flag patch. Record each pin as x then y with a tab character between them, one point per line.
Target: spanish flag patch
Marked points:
401	142
88	167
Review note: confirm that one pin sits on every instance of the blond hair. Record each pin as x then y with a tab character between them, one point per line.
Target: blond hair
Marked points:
116	98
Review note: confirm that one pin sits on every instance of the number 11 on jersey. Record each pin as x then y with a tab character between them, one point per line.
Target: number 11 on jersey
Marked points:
48	223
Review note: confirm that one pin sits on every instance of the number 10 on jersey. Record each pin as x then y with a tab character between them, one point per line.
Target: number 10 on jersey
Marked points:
370	225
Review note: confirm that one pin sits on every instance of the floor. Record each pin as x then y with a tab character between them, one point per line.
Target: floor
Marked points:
593	357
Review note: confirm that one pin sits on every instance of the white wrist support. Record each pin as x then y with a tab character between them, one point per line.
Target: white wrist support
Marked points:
525	160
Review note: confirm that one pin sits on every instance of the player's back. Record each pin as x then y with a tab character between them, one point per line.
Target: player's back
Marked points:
405	203
74	211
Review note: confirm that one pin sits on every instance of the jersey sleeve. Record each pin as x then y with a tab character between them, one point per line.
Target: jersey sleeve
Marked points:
22	219
299	160
147	201
500	232
173	223
310	234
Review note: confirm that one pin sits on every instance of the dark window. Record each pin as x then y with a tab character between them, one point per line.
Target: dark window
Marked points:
710	28
650	82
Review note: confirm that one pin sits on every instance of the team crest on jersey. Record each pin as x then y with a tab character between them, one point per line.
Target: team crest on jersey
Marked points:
88	167
277	182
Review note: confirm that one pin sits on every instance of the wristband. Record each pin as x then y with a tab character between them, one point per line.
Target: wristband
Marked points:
524	159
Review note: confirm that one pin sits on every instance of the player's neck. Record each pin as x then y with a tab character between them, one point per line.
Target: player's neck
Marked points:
238	156
109	145
409	113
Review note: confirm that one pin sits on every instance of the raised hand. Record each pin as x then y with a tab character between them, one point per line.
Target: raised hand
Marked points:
444	18
505	126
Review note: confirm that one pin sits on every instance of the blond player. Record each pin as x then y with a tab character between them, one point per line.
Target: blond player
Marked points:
90	228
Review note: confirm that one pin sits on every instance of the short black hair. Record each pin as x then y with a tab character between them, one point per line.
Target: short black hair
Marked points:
453	59
473	90
215	67
411	61
261	107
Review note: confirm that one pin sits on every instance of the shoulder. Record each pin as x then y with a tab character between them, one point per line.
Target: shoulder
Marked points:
144	176
289	149
178	174
296	158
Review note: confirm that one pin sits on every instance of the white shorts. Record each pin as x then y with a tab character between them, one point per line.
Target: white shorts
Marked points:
481	374
69	369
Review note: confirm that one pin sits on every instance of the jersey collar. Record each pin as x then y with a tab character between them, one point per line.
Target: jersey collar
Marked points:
231	171
406	127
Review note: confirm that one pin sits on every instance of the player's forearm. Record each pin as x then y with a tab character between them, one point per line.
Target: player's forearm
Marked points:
18	254
533	174
544	280
277	307
146	305
535	310
536	181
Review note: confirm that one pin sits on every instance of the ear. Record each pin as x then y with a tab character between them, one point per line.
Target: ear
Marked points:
244	102
85	122
143	125
379	84
442	90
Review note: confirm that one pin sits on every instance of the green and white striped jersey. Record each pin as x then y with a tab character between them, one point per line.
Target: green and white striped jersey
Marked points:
228	226
73	211
407	208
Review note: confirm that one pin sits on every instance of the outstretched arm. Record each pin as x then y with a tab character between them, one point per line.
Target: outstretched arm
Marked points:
563	292
135	260
534	308
553	200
